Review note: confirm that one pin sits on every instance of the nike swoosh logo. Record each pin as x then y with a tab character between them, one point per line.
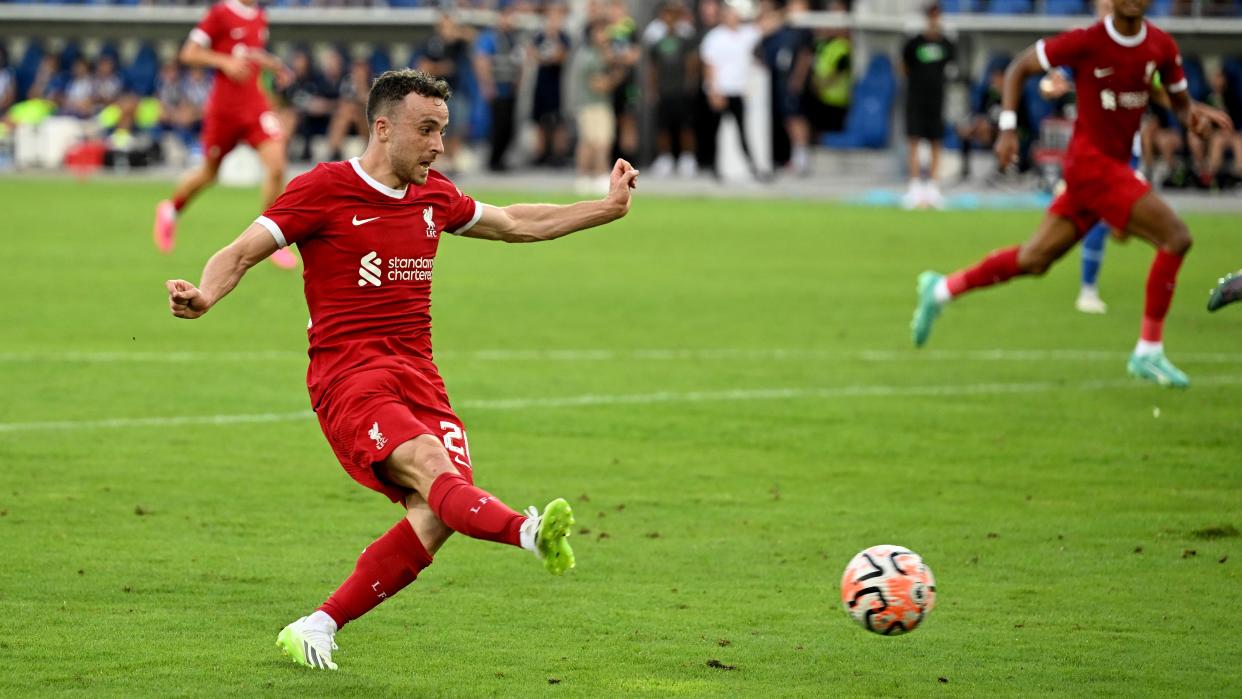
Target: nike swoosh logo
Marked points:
359	222
1103	72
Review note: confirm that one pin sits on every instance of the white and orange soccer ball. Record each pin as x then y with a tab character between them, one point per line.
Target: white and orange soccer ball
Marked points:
888	589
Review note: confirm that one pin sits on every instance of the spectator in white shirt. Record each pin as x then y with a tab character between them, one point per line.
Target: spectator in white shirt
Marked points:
728	53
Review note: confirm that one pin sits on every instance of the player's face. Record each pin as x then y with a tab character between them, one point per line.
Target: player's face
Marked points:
416	136
1130	9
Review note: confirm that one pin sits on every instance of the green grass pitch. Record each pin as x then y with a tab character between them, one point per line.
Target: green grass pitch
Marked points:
726	393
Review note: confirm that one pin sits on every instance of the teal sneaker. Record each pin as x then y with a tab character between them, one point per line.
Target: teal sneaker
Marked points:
925	313
545	534
307	645
1156	367
1226	292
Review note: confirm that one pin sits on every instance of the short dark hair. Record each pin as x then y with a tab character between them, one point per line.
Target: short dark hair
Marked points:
392	86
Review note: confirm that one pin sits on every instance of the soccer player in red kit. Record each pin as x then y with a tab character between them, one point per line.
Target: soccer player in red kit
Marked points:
231	38
1113	63
368	230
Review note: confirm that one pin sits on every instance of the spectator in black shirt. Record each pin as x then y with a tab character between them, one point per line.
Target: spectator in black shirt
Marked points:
924	60
446	55
549	50
672	51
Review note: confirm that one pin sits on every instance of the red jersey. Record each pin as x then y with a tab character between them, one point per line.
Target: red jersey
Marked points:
233	28
369	252
1113	75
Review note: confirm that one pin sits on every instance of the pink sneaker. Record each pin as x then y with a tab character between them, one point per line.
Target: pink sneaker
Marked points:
284	259
165	226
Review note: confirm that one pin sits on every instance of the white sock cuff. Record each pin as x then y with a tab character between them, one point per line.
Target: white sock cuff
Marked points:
1145	348
323	619
941	291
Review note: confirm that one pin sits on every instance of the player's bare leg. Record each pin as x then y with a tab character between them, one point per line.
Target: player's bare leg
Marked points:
931	188
193	182
387	566
914	195
1054	237
422	464
1152	220
272	155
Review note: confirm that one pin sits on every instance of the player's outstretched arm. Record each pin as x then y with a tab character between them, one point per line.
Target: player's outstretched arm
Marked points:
1199	118
223	271
195	54
531	223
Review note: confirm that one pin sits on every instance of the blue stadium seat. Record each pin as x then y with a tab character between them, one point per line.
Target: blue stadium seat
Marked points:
380	61
142	72
958	5
1065	7
1037	108
27	67
1009	7
1160	8
867	124
1196	79
70	53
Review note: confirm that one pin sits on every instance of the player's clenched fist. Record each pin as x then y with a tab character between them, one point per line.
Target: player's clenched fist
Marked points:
184	299
624	178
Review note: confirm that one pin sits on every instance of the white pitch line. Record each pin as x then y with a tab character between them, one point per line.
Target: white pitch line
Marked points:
736	395
603	355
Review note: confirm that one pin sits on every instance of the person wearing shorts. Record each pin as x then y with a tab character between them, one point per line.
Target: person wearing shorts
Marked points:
369	230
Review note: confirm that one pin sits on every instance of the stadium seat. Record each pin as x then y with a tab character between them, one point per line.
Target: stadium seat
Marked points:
1037	108
1065	7
867	124
1009	7
380	61
141	74
70	53
1160	8
27	67
1196	78
955	6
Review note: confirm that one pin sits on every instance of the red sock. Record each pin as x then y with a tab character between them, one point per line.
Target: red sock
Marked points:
385	567
473	511
178	203
1160	283
998	266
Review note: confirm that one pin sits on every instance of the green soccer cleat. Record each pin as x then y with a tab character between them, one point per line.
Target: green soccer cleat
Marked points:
307	645
545	534
925	313
1156	367
1226	292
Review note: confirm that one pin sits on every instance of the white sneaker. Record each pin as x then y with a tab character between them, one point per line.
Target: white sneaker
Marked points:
932	196
582	185
662	166
1089	301
913	198
601	184
308	643
687	166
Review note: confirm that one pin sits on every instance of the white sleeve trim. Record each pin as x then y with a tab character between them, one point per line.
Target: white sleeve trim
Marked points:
274	229
1179	86
200	37
1042	53
478	214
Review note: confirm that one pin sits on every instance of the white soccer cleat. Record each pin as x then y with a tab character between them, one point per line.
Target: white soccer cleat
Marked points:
1089	301
309	644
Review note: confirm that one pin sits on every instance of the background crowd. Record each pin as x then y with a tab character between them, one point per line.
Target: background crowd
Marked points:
545	87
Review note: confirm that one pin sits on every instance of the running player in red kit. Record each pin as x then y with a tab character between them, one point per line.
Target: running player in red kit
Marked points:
1113	63
368	230
230	38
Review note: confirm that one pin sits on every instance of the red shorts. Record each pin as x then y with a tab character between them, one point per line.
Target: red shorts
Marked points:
367	415
1098	187
222	132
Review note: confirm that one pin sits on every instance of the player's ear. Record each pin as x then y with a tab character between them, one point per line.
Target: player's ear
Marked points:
381	128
